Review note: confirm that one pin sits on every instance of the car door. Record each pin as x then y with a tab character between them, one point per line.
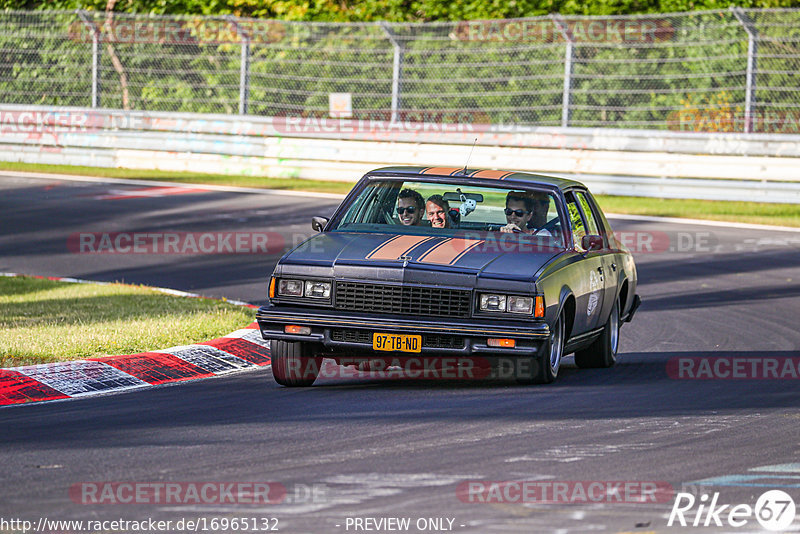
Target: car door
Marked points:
590	289
609	260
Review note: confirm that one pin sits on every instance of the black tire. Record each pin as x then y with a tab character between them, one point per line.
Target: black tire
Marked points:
550	361
603	351
522	369
293	364
542	369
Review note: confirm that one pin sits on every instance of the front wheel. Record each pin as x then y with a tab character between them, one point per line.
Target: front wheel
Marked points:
551	360
293	364
603	352
543	369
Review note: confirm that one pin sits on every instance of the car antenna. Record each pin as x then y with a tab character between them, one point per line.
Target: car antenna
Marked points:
464	172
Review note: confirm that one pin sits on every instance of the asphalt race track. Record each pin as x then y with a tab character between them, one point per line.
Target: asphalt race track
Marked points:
351	449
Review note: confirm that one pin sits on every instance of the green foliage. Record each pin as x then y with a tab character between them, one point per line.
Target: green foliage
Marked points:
393	10
478	72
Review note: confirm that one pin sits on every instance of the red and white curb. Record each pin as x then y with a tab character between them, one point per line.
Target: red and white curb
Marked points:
238	351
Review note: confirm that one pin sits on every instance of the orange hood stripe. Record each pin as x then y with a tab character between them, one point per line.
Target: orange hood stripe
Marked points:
396	247
449	251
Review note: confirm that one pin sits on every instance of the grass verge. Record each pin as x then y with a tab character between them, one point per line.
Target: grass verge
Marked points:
716	210
713	210
45	321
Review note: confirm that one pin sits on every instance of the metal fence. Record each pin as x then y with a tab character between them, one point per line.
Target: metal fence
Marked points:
723	71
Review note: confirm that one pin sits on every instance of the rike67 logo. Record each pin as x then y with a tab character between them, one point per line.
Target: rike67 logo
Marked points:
774	510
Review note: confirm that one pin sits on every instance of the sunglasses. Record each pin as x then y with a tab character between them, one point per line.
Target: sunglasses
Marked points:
409	209
518	213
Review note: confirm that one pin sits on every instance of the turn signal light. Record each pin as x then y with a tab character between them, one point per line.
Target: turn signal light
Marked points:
538	310
272	287
501	342
294	329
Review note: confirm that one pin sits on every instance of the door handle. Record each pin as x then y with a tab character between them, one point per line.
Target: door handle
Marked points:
613	266
600	270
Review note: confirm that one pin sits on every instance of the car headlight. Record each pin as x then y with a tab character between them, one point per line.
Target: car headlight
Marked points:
312	289
493	302
318	290
520	305
290	288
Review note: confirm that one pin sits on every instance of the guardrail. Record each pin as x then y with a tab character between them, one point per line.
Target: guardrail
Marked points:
755	167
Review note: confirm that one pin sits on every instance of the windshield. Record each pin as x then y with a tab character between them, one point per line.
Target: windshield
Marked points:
431	208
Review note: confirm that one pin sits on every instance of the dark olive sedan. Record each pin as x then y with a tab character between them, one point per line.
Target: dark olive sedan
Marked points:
431	264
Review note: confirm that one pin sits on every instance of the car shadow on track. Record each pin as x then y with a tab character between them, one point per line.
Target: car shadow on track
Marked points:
640	384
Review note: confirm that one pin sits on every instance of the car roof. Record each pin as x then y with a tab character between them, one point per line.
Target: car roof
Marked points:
523	178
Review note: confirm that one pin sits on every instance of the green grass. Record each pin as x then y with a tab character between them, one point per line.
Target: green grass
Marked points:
46	321
747	212
715	210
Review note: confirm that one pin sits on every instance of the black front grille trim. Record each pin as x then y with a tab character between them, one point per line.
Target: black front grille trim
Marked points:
351	336
442	341
402	300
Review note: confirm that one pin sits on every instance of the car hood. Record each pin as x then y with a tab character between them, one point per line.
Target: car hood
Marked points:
397	257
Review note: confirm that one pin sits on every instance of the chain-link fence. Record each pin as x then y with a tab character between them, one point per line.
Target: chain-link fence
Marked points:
730	70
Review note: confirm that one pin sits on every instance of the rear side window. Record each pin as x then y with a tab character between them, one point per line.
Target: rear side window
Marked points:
575	221
591	222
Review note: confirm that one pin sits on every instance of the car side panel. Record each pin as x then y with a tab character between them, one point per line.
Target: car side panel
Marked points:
568	275
618	263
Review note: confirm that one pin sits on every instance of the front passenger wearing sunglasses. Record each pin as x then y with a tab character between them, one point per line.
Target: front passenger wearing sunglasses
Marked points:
410	207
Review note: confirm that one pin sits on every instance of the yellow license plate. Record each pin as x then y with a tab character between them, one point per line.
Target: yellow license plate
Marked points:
396	342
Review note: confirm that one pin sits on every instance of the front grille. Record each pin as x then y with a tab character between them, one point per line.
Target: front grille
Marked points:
402	300
433	341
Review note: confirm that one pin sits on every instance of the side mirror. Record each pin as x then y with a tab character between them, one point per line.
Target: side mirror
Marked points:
318	223
592	242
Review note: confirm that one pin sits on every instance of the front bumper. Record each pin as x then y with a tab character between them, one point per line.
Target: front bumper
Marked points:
341	331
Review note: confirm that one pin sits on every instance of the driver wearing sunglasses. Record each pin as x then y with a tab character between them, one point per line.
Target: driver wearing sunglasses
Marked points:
410	207
521	209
